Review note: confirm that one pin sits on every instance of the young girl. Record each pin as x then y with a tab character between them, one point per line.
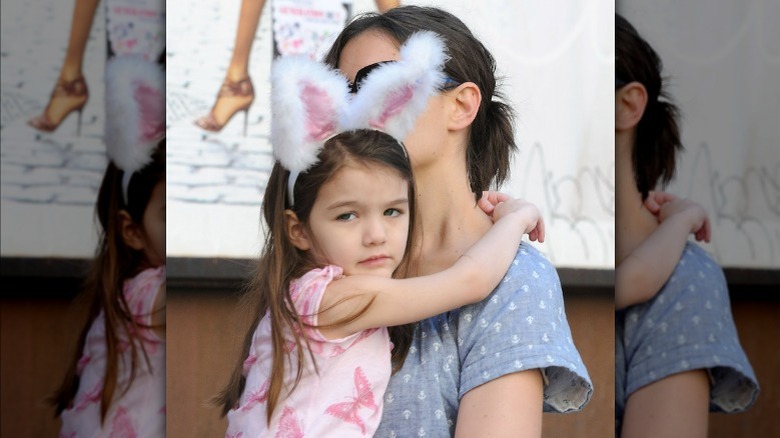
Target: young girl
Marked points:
115	384
318	358
678	355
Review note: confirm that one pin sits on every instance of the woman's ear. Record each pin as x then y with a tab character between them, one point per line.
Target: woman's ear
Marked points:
630	104
466	98
132	234
296	231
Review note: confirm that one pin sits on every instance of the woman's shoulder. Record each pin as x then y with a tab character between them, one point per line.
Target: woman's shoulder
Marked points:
693	253
696	265
697	278
530	268
531	282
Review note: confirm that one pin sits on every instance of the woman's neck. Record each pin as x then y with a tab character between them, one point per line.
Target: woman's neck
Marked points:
450	221
634	222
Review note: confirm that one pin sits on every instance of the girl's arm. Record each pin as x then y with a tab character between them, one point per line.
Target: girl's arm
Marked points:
642	274
389	302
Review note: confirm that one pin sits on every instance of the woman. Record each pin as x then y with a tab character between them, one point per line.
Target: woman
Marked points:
487	368
677	351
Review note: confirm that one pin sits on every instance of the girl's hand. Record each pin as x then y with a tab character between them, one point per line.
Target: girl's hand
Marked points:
499	205
489	200
656	199
665	205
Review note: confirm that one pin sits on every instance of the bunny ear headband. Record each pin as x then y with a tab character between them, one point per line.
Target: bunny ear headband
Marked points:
311	102
135	113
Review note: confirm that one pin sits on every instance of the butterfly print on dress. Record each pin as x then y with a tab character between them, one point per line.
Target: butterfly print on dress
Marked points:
289	427
92	396
364	398
122	426
260	395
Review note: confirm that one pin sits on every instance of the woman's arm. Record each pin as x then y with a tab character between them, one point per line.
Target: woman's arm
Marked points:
642	274
509	406
389	302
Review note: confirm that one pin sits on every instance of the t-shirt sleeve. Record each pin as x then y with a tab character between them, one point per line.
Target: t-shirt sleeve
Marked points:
521	326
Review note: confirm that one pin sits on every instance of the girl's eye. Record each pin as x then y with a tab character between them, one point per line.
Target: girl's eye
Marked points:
392	212
346	217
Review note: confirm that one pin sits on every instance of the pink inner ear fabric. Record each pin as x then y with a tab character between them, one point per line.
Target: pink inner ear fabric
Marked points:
319	112
394	104
151	106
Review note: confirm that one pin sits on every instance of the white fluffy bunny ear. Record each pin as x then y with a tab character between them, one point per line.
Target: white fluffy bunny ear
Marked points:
393	95
307	100
135	110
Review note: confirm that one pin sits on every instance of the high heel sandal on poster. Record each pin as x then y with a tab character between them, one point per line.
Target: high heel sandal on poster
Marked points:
233	97
67	97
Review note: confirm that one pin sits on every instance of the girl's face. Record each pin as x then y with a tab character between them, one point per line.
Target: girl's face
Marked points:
360	220
153	227
430	132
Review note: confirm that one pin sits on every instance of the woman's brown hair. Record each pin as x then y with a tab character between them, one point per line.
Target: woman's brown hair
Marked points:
491	136
658	132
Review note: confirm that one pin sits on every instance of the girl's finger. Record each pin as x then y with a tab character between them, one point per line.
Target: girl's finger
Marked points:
540	228
486	206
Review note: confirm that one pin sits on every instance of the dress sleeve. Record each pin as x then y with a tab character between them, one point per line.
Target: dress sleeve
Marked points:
521	326
307	293
141	292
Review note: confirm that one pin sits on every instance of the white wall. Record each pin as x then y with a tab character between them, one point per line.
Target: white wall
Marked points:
723	64
557	61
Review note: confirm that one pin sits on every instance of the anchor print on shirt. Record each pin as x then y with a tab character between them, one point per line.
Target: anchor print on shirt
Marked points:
364	398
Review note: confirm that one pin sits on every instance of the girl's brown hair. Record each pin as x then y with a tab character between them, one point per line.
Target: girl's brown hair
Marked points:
268	292
114	263
491	136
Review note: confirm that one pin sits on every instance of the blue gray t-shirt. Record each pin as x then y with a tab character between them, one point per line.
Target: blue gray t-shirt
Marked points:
686	326
520	326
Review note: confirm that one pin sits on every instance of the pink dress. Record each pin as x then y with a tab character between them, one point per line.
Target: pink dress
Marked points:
139	412
343	400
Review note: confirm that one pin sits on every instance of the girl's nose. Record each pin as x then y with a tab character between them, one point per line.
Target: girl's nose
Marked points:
374	233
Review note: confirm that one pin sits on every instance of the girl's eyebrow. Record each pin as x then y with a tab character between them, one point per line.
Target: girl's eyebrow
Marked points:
355	203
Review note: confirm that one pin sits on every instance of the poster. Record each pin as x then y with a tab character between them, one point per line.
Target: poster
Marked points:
307	26
50	179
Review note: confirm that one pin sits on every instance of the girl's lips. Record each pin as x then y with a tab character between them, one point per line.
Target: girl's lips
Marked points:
375	260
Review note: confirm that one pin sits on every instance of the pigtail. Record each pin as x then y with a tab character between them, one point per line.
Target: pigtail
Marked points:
669	134
658	142
493	143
